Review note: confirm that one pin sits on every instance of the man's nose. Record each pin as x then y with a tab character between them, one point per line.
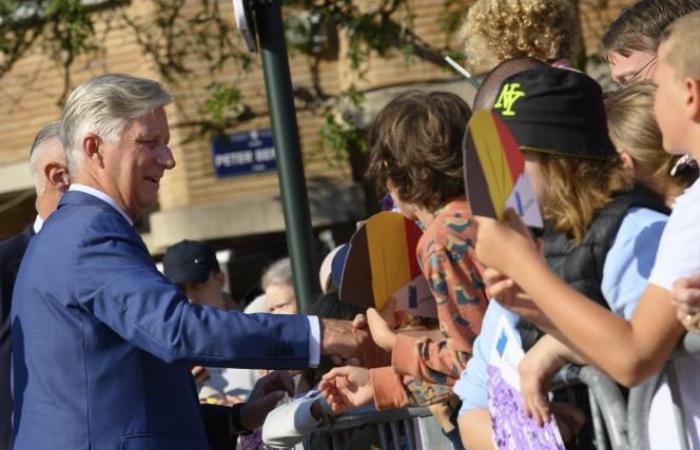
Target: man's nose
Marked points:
166	158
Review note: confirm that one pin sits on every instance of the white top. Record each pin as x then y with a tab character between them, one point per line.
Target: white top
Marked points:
679	250
288	424
678	257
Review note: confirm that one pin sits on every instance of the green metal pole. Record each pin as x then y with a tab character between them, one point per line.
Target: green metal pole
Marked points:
278	82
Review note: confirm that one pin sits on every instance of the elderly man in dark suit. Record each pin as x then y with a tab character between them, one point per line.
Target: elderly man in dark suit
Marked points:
102	342
48	167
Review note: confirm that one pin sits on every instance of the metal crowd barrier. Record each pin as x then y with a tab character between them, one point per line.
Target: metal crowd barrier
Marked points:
396	429
416	429
608	406
623	424
641	396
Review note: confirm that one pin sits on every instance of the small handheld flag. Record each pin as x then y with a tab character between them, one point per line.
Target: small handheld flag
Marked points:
382	263
494	171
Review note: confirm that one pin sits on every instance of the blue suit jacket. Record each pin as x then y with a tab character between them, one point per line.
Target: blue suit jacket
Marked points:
11	252
102	341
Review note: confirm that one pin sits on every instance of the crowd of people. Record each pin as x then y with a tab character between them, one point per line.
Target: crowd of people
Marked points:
105	352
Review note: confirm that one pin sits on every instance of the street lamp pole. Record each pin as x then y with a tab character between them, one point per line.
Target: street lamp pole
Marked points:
278	82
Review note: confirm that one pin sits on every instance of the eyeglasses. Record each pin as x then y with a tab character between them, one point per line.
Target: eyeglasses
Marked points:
635	77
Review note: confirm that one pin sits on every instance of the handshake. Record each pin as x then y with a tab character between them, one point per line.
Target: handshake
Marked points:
356	346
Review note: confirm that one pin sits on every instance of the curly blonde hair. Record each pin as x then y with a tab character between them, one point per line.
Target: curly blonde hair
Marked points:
496	30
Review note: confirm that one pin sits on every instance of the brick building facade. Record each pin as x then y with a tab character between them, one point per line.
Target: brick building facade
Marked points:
193	202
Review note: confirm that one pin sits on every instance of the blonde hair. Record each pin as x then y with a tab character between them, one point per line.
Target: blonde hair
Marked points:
680	40
634	130
496	30
577	188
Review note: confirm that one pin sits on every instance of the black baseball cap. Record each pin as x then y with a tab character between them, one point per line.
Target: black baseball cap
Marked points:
190	262
556	111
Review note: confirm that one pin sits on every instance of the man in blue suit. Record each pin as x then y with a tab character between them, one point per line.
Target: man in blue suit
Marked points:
101	340
47	164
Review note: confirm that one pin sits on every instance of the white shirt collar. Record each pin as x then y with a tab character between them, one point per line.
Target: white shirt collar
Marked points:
102	196
38	223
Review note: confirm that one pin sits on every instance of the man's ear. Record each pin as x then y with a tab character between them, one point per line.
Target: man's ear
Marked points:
627	160
92	148
692	93
220	278
57	176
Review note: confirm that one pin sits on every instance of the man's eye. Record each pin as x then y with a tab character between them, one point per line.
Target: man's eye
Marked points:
150	144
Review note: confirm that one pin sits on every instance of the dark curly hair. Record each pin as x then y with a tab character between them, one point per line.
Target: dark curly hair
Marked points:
416	142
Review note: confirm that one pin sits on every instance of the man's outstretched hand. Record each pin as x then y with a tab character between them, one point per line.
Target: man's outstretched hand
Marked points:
348	344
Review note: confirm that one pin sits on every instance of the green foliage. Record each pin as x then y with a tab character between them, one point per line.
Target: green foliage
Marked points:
176	39
178	35
72	27
223	103
342	133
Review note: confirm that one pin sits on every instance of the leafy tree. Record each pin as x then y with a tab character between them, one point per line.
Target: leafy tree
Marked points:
178	37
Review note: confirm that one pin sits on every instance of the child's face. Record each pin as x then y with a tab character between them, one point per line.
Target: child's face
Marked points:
669	107
533	169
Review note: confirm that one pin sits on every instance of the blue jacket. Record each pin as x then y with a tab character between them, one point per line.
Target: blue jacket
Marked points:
11	252
102	341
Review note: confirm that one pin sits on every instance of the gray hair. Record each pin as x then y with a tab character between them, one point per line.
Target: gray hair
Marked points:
280	272
104	105
51	130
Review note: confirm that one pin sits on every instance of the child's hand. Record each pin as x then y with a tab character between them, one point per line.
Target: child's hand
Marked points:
536	370
389	313
504	290
686	297
359	322
380	330
345	388
500	246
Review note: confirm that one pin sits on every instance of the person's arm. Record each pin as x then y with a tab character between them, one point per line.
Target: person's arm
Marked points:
118	283
536	370
222	424
455	283
391	390
288	424
628	351
350	387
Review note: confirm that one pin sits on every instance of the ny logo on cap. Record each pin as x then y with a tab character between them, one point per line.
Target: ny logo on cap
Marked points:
510	94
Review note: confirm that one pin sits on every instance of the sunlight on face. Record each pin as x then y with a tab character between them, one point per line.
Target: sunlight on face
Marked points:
637	66
280	299
135	165
668	106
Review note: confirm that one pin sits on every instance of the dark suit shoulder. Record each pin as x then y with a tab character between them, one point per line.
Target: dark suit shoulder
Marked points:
12	248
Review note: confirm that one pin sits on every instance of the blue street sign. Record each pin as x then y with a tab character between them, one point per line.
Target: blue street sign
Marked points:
243	153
